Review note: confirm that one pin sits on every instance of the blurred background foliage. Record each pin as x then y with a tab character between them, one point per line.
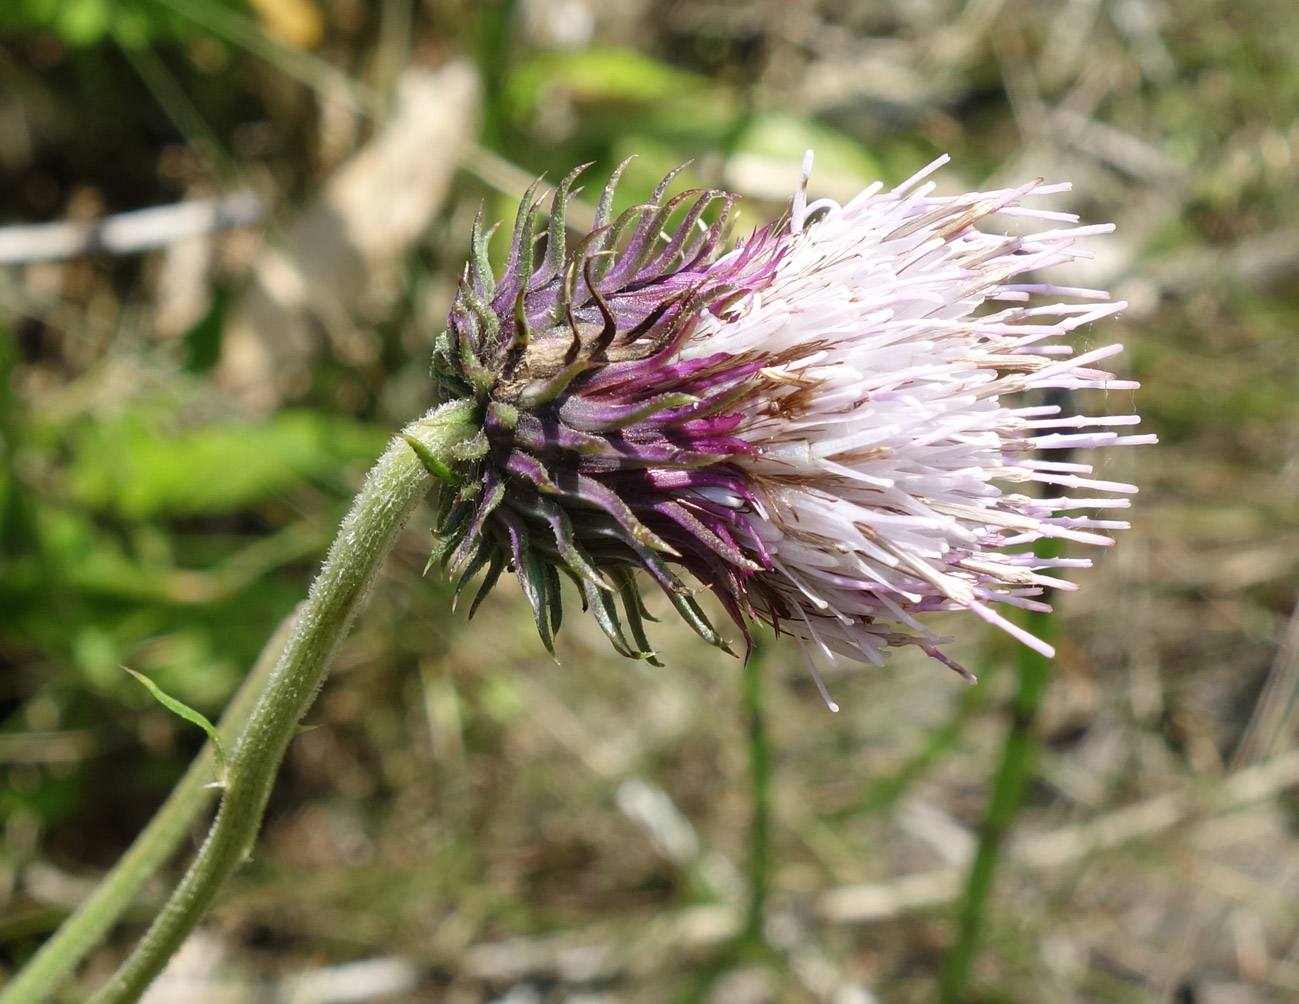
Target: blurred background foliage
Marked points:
182	427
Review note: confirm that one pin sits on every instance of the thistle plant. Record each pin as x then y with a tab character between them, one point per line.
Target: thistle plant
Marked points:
825	425
834	425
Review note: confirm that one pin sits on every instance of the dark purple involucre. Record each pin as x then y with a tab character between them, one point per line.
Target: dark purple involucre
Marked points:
602	450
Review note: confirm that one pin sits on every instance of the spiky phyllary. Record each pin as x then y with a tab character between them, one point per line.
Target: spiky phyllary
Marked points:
811	424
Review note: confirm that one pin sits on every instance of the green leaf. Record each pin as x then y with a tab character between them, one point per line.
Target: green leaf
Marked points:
782	138
190	715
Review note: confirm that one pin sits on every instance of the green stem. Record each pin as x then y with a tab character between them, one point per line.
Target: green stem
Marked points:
1017	761
750	939
398	482
82	930
759	866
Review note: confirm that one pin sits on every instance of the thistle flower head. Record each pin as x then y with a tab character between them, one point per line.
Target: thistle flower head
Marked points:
825	425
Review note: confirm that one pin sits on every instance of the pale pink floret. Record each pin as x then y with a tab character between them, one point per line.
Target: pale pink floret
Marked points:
891	438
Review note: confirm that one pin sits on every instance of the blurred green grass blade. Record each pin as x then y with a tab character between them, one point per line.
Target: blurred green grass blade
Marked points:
631	85
135	467
171	96
1018	760
937	745
759	751
321	76
783	137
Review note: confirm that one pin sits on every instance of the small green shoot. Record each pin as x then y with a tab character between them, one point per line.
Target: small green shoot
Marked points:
190	715
432	464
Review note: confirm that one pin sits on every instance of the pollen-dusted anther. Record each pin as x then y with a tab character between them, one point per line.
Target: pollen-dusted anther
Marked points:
815	425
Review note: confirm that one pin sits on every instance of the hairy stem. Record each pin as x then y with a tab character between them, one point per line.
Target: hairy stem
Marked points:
78	935
398	482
